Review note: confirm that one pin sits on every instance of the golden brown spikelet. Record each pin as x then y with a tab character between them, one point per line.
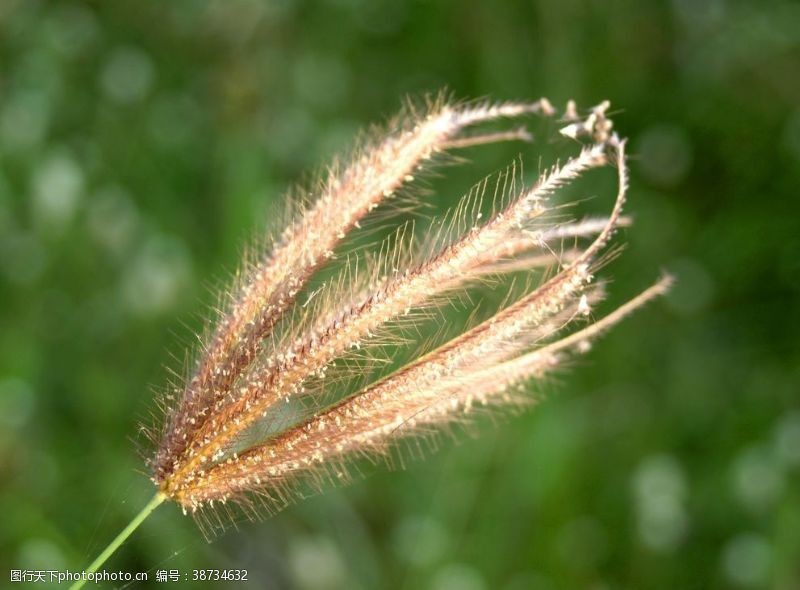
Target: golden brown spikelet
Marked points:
252	420
376	173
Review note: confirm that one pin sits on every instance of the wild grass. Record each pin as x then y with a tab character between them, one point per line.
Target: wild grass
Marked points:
285	392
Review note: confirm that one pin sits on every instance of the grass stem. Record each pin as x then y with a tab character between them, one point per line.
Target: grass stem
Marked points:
120	538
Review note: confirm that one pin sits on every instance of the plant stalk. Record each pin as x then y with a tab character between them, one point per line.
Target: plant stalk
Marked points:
120	538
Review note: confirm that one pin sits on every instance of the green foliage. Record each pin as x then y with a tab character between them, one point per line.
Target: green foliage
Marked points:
141	143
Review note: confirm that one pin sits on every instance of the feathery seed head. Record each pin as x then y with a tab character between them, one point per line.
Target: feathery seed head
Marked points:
256	417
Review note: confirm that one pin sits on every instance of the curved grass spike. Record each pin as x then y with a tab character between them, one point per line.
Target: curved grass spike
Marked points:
269	348
377	171
283	375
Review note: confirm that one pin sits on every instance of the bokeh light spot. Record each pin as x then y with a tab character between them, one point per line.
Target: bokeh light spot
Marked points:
127	75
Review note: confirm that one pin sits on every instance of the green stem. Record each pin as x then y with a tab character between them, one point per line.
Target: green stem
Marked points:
120	538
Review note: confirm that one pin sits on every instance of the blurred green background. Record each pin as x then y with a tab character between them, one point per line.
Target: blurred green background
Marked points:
143	143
